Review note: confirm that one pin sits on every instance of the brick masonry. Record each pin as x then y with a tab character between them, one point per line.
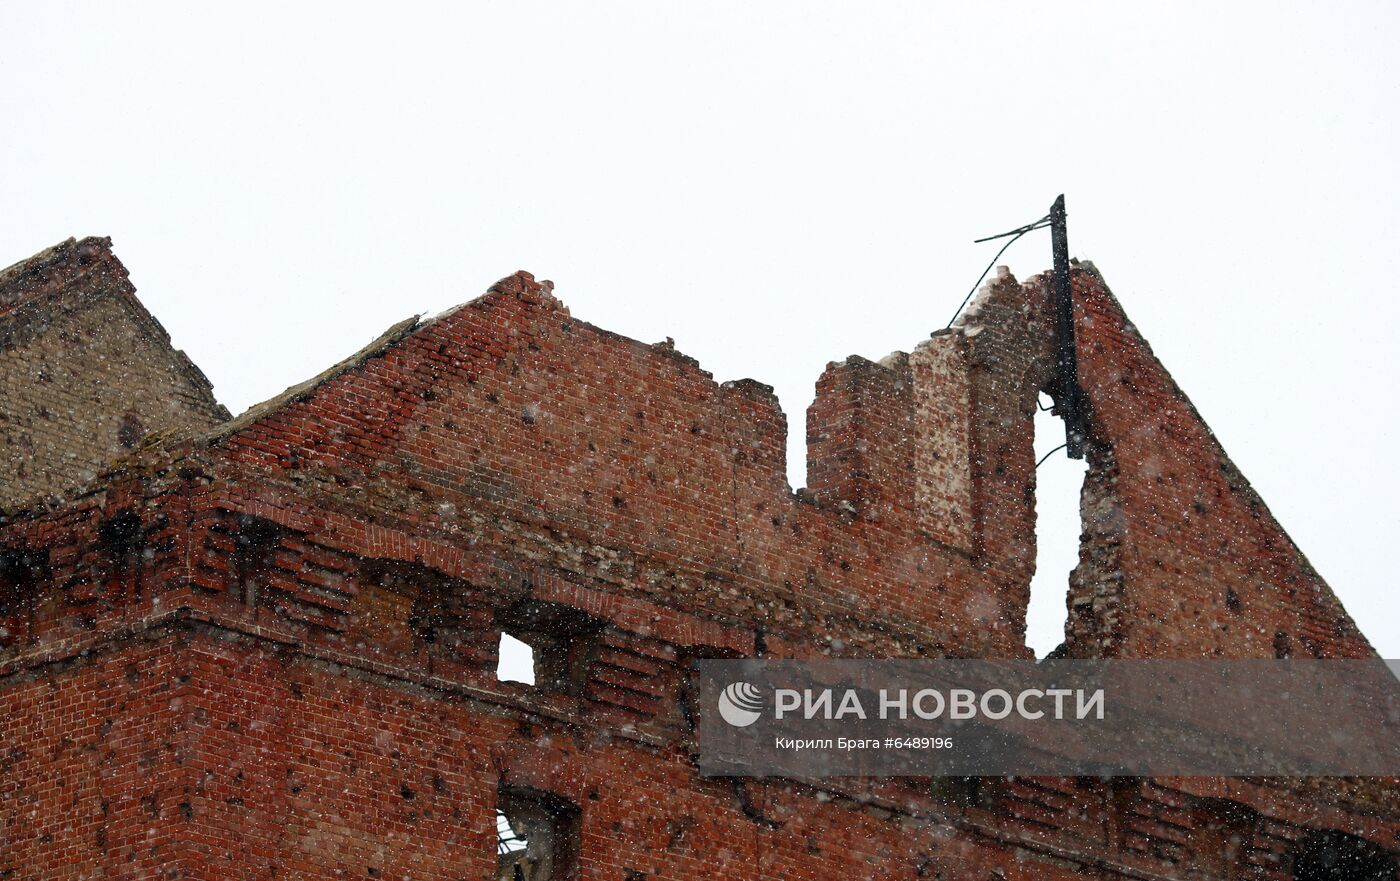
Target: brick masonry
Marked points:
265	648
85	371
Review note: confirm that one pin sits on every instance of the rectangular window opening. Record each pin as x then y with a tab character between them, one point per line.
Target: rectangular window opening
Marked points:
537	836
547	645
515	661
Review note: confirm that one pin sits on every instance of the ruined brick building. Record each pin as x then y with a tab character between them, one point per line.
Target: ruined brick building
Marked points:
266	647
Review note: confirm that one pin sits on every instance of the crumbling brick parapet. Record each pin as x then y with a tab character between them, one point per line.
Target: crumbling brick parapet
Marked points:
271	646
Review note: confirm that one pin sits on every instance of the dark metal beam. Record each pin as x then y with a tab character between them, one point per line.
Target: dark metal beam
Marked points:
1068	397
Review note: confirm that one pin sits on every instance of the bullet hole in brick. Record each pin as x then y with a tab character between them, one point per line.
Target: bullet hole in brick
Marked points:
407	793
619	502
537	836
678	831
529	414
1232	599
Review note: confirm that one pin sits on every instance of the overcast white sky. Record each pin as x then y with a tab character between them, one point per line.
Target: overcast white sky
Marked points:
775	185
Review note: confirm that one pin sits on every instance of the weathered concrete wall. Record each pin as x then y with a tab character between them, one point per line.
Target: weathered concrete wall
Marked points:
85	371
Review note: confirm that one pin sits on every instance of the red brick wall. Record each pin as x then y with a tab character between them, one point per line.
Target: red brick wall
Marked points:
272	654
1205	569
92	755
512	408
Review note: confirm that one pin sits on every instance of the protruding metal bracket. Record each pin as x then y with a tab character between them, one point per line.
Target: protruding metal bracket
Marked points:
1069	399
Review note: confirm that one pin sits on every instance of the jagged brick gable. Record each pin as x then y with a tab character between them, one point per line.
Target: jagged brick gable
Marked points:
621	461
271	647
85	371
1181	557
920	519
